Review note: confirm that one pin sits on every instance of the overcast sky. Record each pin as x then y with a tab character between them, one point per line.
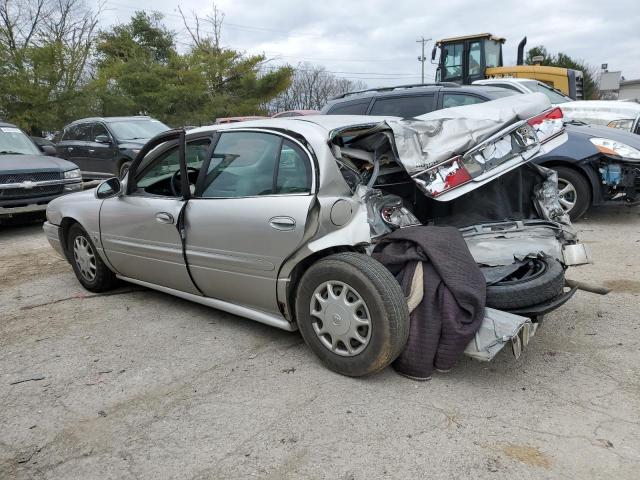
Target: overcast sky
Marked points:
375	41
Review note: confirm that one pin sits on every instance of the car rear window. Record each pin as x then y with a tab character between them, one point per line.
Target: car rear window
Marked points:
406	107
358	107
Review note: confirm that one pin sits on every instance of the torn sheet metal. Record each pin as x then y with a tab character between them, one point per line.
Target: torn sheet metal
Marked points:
546	197
429	139
498	329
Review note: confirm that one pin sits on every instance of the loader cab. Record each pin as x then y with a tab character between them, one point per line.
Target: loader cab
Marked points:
464	60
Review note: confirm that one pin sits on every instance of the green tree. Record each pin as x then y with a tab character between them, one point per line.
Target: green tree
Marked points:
590	87
140	71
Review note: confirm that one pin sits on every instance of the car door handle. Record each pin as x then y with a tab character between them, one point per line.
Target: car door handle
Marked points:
164	217
282	223
69	149
91	150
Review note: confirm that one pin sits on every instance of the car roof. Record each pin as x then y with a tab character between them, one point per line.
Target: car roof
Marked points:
110	119
301	122
7	124
409	90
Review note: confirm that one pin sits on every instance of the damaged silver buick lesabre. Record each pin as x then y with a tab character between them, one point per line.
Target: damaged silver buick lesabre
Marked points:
276	220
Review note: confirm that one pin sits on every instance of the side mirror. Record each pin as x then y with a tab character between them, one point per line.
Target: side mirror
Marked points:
48	150
109	188
433	52
103	139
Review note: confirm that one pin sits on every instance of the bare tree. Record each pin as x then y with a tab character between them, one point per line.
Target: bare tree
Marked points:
45	47
311	88
196	32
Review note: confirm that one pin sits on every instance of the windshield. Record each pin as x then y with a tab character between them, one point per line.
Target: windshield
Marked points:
14	140
137	129
554	97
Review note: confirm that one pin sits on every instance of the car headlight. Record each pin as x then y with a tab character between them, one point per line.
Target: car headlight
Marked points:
72	174
617	149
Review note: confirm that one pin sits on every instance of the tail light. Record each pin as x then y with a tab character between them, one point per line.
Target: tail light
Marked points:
444	177
548	124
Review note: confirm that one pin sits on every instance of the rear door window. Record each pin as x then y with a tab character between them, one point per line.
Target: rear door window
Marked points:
459	99
406	107
356	107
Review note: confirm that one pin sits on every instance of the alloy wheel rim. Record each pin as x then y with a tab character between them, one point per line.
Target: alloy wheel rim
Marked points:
340	318
567	195
85	258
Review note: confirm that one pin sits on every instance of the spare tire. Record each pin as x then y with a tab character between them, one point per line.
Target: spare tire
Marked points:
535	281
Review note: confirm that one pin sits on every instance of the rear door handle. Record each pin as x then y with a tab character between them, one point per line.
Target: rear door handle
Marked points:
164	217
91	150
282	223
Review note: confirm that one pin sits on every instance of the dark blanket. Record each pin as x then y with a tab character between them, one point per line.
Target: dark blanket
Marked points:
452	308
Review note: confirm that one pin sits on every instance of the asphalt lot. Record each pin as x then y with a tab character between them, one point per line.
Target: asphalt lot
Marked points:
138	384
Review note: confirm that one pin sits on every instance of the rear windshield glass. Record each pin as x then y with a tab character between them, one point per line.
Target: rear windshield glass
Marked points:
137	129
14	140
554	97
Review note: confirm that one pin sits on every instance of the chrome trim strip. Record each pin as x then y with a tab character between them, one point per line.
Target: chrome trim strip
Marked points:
257	315
44	183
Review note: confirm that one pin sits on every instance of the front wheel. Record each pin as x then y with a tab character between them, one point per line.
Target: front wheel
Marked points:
89	268
352	313
124	169
574	192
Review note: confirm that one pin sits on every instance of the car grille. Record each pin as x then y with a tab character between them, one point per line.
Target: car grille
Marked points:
34	177
36	191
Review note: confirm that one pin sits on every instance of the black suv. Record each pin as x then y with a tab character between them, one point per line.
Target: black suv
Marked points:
410	100
596	166
104	147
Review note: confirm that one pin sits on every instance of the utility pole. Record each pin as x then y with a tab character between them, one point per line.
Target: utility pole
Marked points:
422	58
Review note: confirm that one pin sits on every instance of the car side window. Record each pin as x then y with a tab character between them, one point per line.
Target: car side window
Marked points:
165	165
406	107
293	170
98	129
357	107
249	164
83	132
459	99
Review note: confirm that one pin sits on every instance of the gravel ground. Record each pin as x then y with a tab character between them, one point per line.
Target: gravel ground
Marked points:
138	384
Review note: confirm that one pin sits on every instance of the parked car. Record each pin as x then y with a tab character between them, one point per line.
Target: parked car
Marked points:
611	113
44	145
589	172
223	120
526	85
295	113
105	146
29	178
274	220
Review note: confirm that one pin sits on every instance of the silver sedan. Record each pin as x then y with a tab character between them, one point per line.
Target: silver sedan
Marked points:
274	220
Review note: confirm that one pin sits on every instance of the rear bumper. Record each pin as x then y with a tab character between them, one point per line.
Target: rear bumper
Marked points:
52	233
545	307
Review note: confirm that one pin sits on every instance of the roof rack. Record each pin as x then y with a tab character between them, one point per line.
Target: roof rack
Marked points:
397	87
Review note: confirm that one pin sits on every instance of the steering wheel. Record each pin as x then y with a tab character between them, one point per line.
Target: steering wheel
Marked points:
175	182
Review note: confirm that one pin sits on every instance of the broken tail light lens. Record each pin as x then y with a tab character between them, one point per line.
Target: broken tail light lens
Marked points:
548	124
446	176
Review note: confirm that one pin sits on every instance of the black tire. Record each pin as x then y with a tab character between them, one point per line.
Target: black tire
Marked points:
104	279
582	191
544	281
385	303
124	168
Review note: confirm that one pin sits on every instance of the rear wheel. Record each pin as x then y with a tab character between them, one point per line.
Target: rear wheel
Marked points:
89	268
574	192
352	313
